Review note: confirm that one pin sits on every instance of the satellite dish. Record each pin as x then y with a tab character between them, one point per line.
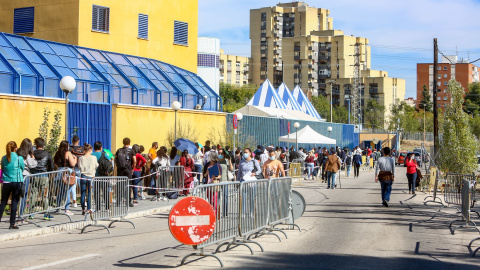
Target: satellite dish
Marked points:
198	107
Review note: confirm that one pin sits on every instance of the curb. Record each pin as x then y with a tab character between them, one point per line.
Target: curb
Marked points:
73	226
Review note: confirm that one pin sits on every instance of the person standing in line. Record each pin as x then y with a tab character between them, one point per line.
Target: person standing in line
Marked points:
174	157
226	165
77	150
206	157
64	159
357	162
206	147
137	171
88	165
189	166
411	172
12	166
248	166
348	164
198	162
273	168
385	173
125	160
264	156
207	178
26	152
332	167
152	153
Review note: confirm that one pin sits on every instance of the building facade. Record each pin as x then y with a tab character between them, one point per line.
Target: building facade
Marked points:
450	68
208	61
297	44
234	69
158	29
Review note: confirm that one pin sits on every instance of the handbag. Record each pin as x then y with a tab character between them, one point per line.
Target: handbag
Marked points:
258	176
70	180
386	176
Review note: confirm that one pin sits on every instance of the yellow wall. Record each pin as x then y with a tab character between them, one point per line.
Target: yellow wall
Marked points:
55	20
21	117
144	125
123	36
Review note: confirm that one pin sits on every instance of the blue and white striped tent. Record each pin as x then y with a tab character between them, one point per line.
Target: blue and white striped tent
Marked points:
288	98
267	96
304	103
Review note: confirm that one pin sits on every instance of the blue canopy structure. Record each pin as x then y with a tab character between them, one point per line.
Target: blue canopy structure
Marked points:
288	98
267	96
304	103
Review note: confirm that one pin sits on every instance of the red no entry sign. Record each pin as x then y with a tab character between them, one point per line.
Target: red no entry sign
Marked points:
192	221
288	127
235	121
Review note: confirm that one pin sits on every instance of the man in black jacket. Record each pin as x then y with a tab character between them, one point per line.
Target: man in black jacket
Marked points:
44	159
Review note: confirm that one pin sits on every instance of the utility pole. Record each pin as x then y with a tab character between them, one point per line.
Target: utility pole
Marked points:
331	82
435	111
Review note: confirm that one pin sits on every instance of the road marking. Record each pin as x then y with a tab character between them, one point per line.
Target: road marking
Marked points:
62	261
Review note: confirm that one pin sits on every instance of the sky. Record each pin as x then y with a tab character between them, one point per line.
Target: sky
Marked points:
400	32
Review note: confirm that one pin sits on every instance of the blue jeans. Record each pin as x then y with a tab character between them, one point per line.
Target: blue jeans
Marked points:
198	169
310	168
386	189
412	178
73	189
84	186
349	169
333	177
136	174
26	183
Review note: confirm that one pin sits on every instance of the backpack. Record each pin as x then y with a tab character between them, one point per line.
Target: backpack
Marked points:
348	161
77	150
105	166
123	158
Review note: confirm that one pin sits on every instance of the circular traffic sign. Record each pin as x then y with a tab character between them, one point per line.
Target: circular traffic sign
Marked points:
191	220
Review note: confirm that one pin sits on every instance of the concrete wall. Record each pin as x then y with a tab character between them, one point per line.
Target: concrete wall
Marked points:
21	117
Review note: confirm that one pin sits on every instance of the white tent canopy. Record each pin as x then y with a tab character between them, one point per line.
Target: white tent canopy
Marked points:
307	135
275	112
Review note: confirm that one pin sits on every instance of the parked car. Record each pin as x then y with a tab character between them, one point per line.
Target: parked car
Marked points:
418	158
401	157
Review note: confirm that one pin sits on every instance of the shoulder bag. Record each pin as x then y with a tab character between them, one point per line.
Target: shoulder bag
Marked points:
22	185
70	180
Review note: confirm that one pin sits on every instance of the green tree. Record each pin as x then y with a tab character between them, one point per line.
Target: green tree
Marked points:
426	102
458	145
472	99
322	105
184	130
374	114
52	136
235	97
475	126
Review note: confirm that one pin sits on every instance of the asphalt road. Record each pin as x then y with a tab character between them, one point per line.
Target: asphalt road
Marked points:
345	228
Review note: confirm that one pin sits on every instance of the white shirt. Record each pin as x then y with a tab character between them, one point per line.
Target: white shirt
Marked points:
163	162
198	157
263	158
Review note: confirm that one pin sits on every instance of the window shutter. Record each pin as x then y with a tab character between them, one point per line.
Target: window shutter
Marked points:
101	18
143	26
23	20
180	33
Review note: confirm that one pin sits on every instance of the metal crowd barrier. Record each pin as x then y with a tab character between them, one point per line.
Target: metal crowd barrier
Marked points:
110	200
473	252
433	182
225	200
453	188
169	179
467	189
45	193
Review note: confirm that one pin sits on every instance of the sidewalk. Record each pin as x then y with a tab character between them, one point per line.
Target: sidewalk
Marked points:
62	223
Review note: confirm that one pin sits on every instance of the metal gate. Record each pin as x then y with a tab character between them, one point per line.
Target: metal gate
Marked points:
91	122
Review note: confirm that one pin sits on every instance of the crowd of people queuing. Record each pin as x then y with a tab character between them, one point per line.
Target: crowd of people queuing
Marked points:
210	164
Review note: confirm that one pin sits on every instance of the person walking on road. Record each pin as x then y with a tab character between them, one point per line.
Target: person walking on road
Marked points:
411	173
310	163
385	173
348	164
357	162
332	167
273	167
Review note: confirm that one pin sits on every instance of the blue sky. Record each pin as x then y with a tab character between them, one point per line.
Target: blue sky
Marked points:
400	32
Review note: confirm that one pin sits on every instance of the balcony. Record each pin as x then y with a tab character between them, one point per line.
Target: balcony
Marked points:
263	77
263	68
312	76
263	27
238	77
313	84
324	49
296	48
310	66
245	68
279	68
323	66
229	68
263	43
323	76
245	71
263	51
277	52
276	60
312	57
323	58
277	43
373	91
278	77
297	66
264	60
322	86
296	58
263	35
297	75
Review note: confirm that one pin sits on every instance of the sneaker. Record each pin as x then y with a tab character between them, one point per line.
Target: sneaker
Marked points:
135	202
30	217
75	205
164	199
143	197
385	203
48	217
130	205
328	187
67	212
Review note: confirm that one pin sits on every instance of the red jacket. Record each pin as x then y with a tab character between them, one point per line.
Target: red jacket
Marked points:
411	166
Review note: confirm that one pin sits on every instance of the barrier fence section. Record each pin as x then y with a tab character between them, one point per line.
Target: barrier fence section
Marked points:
169	179
467	189
225	200
433	182
280	203
45	193
109	201
453	188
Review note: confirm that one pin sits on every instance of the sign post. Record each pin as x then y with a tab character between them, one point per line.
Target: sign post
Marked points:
235	125
288	147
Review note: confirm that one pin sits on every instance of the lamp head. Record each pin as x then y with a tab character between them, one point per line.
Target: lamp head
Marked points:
296	125
205	98
176	105
239	116
68	84
329	129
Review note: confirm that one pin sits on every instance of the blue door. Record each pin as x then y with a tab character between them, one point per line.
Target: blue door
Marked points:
92	122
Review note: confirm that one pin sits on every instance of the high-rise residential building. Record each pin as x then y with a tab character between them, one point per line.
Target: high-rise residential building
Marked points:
158	29
449	68
208	61
234	69
297	44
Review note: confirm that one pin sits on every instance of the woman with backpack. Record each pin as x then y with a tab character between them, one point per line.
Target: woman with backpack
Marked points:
348	163
411	172
88	165
187	162
12	166
137	171
64	159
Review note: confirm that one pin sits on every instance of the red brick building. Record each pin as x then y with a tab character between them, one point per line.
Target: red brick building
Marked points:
464	73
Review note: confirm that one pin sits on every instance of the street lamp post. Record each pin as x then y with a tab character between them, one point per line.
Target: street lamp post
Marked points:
296	126
239	117
329	131
176	106
67	84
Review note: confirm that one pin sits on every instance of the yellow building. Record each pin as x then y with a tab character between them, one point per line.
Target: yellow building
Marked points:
297	44
234	69
158	29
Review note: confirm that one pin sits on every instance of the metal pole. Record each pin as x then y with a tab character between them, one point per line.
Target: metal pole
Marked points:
349	105
435	111
66	116
331	103
296	139
175	125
